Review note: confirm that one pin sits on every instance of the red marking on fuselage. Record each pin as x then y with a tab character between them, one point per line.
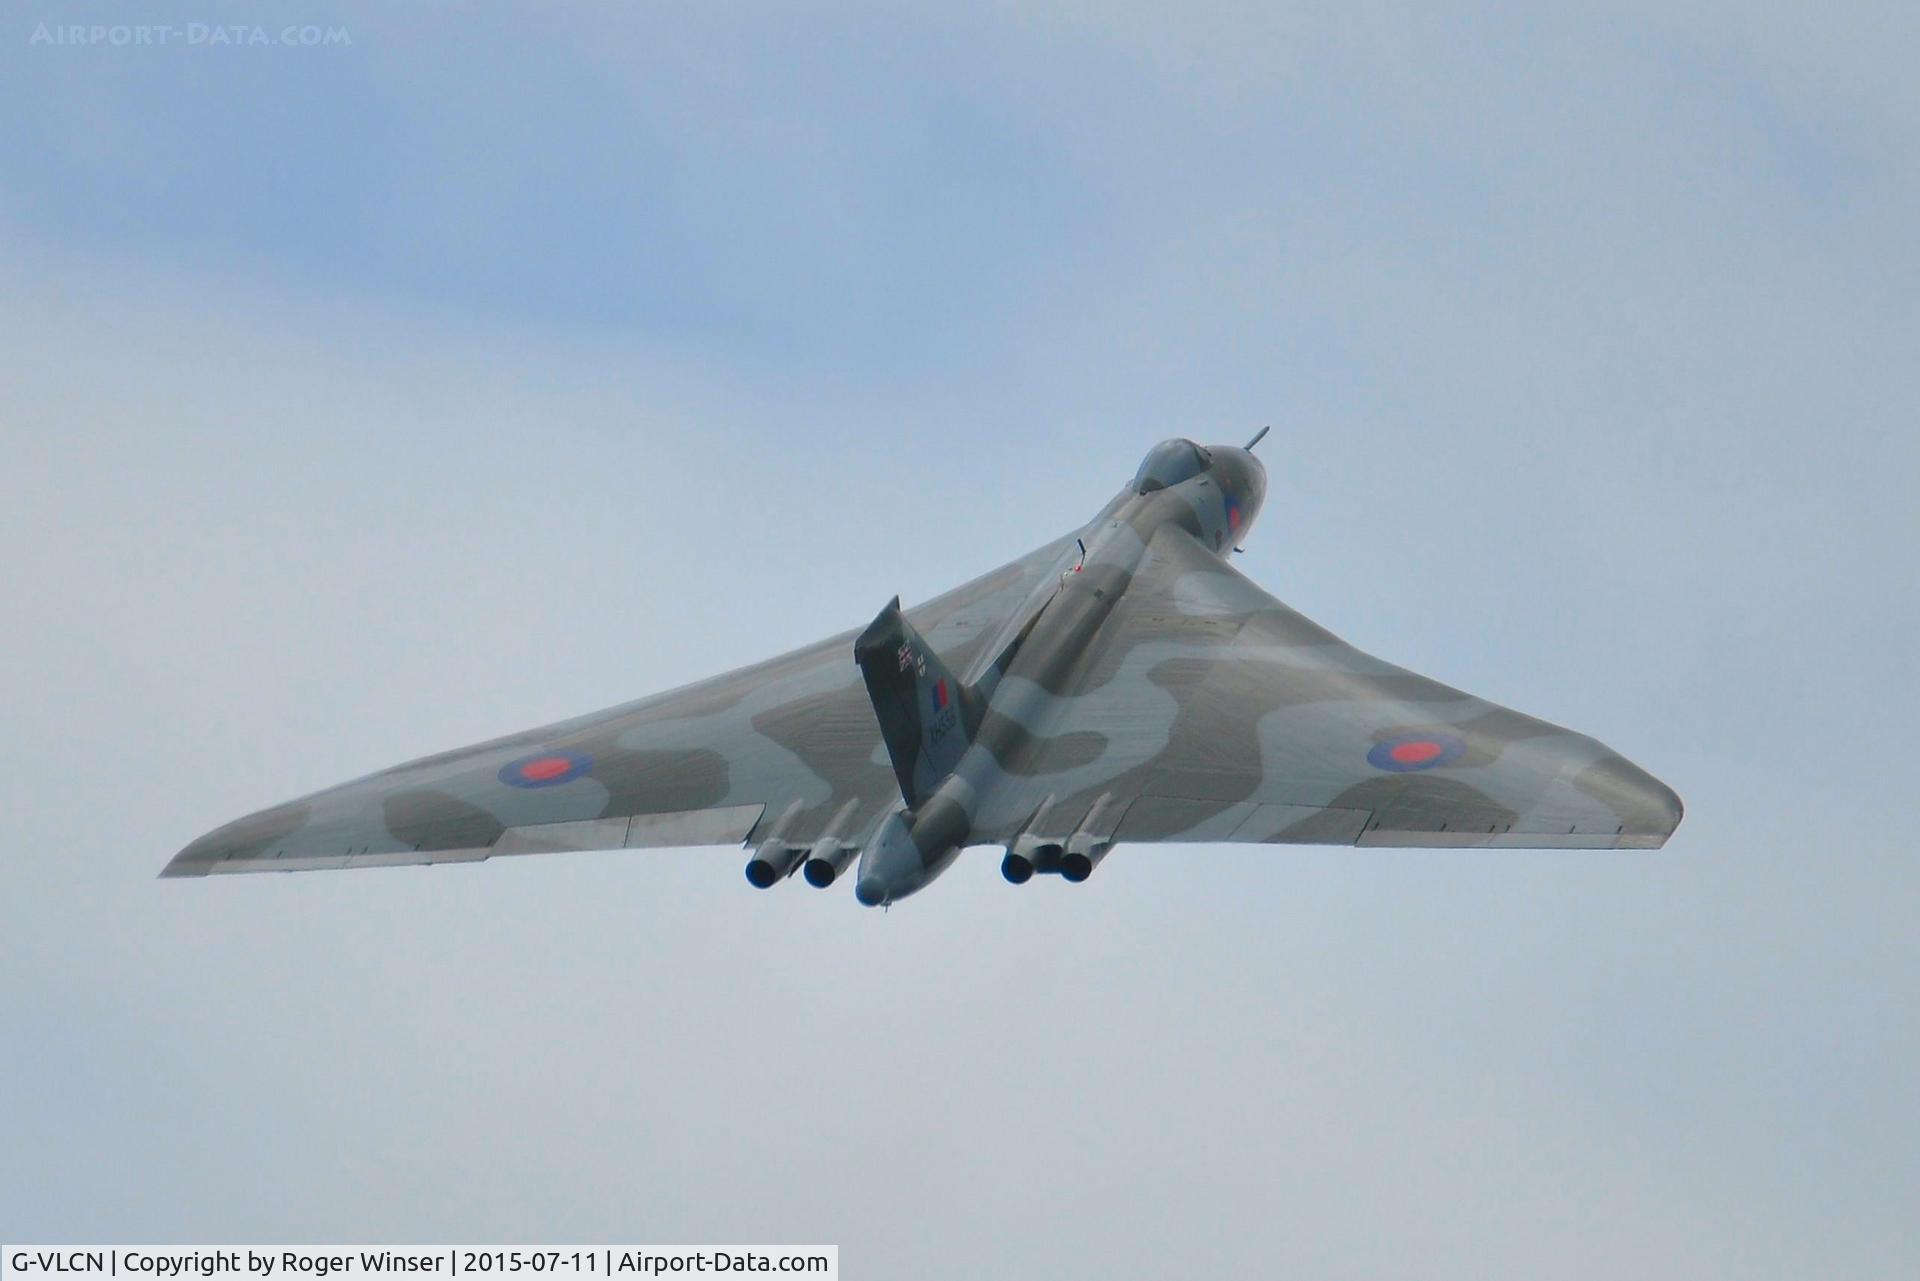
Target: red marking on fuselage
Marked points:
1416	753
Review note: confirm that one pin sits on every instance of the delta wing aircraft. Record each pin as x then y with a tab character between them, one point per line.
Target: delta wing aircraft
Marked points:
1123	684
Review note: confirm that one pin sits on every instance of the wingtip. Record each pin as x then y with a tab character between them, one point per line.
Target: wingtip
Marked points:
181	865
1666	805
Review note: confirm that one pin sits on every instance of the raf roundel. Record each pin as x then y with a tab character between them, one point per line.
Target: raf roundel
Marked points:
547	769
1408	753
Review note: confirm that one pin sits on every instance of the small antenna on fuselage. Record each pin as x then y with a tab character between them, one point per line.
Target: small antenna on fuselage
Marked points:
1259	436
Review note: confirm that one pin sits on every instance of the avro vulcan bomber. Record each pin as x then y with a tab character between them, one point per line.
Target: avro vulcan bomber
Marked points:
1123	684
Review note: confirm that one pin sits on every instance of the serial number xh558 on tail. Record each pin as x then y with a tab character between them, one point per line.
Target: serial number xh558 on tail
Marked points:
1123	684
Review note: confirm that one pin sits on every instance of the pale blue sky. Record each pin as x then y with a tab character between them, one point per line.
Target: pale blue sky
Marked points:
501	365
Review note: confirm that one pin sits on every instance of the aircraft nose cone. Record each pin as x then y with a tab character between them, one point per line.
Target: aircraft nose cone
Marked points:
871	891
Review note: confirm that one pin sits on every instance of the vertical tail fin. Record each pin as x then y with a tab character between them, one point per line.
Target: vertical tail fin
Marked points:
927	717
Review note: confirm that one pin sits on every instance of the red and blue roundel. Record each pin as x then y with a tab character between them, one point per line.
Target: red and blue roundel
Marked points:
546	769
1409	753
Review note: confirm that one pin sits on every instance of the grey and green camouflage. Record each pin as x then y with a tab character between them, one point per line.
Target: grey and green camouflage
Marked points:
1122	684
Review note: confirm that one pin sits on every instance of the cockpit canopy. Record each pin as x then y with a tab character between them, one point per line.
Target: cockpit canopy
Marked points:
1169	463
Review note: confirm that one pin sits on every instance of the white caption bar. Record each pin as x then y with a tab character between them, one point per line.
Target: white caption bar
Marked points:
415	1262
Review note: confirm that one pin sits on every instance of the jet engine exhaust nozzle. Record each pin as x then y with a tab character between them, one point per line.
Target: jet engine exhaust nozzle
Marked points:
1029	855
828	859
772	861
1082	857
